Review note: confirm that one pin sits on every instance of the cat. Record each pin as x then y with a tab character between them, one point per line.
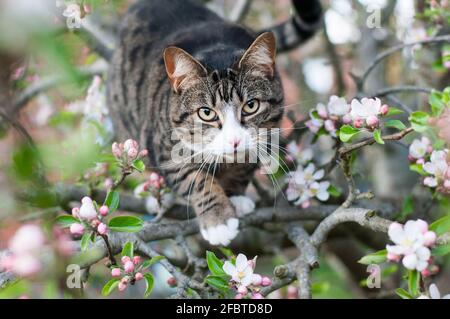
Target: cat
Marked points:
178	70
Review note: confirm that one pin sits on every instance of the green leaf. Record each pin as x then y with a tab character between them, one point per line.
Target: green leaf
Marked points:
214	264
129	224
375	258
347	132
403	293
226	251
334	191
377	136
320	287
218	282
149	282
413	282
110	286
139	165
395	124
151	261
128	249
66	220
112	200
418	168
437	105
84	244
394	111
441	226
419	121
441	250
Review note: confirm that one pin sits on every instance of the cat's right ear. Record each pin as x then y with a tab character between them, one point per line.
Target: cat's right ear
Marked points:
181	67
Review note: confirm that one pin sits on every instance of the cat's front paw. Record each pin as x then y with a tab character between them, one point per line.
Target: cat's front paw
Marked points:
243	205
221	234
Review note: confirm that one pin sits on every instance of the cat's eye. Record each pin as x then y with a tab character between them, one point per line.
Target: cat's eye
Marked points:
207	114
250	107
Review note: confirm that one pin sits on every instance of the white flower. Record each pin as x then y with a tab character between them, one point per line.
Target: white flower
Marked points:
365	108
314	125
434	294
338	106
418	148
438	164
303	184
241	273
152	205
73	15
87	209
412	241
294	152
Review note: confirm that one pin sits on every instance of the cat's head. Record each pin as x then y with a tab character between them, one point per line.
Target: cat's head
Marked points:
228	107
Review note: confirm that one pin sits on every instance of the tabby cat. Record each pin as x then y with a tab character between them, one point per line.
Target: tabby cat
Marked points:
181	68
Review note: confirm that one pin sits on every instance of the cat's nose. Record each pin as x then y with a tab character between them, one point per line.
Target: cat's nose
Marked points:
235	142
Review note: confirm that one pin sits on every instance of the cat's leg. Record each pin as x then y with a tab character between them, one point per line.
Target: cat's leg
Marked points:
215	212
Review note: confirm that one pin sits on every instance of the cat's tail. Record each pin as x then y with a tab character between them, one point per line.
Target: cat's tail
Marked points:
300	27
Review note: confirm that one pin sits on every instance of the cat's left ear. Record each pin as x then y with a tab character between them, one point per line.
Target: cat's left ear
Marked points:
181	67
260	56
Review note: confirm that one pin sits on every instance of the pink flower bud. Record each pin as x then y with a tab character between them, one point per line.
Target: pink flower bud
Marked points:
136	260
125	280
358	123
426	273
122	286
292	292
238	296
125	259
128	266
76	212
143	154
423	225
393	257
420	161
322	113
430	238
447	183
103	210
347	119
115	272
306	204
257	295
77	229
117	152
138	276
411	159
266	281
430	149
102	229
384	109
372	121
95	223
256	280
132	153
129	144
171	281
329	126
242	290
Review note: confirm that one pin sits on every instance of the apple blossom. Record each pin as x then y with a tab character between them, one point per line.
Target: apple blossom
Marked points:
27	238
117	152
438	169
412	242
241	273
103	210
128	266
338	106
136	260
242	290
116	272
87	209
256	280
138	276
266	281
77	229
76	212
102	229
384	110
365	108
372	121
418	148
434	293
122	286
125	259
171	281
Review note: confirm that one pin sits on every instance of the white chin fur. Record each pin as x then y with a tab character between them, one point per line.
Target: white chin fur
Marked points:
221	234
243	204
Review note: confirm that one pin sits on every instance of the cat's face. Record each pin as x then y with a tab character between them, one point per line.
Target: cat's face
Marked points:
226	114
